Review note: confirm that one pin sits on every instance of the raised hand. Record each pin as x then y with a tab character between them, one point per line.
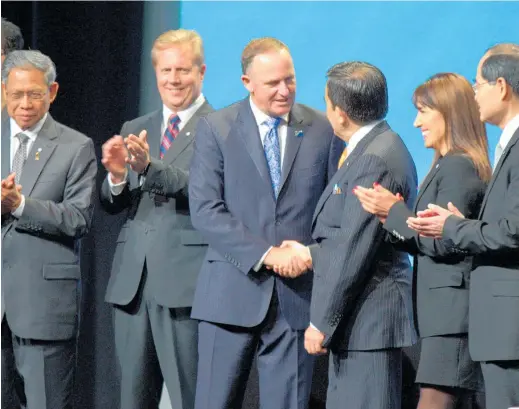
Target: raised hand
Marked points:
139	151
114	158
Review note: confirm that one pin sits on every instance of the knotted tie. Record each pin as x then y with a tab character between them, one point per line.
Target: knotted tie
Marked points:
20	156
273	153
170	133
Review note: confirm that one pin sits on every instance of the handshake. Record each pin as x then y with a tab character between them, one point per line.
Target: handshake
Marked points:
289	260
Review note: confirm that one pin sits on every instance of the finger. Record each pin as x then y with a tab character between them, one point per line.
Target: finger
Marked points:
143	136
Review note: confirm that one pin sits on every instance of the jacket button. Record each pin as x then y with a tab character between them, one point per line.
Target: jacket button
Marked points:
278	223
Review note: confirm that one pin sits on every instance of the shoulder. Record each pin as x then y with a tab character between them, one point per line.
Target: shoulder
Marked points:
139	121
68	135
457	166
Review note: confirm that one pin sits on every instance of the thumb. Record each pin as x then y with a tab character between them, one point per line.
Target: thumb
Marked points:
144	135
454	209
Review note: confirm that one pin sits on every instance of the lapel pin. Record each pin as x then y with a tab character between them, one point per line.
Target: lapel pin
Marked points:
298	133
37	155
188	133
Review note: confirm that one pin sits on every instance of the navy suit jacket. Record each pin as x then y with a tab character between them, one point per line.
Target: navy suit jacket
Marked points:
362	286
233	206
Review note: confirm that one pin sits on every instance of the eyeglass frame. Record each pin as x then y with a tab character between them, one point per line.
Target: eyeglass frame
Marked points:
32	95
475	86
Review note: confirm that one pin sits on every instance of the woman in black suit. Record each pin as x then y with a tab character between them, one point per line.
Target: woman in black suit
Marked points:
449	120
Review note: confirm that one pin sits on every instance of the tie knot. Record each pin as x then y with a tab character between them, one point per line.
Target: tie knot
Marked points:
22	137
174	120
272	122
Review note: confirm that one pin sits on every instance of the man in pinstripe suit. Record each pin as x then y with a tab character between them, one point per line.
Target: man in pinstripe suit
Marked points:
361	306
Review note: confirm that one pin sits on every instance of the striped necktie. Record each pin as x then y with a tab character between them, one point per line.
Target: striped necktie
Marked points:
170	133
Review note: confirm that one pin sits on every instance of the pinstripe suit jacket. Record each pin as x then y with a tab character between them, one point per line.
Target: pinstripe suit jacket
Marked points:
361	298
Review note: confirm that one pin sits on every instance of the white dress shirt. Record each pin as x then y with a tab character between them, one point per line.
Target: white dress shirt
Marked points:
32	134
117	188
506	136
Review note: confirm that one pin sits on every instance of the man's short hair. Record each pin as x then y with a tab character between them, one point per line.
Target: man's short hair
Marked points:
27	59
502	61
178	37
11	37
259	46
359	89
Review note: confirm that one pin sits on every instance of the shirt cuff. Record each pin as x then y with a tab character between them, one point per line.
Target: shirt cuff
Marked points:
259	264
117	188
19	210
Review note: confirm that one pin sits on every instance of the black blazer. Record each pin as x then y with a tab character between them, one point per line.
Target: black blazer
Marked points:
494	239
440	273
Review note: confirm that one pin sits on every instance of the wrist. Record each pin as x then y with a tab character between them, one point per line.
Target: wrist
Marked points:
144	172
117	178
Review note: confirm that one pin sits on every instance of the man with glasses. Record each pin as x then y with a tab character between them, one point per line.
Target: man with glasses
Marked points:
48	177
494	238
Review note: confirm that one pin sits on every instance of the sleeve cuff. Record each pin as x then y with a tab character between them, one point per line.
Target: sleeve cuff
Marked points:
19	210
259	264
117	188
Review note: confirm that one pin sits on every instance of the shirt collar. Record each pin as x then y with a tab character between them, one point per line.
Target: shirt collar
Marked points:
184	115
361	133
260	116
508	131
32	133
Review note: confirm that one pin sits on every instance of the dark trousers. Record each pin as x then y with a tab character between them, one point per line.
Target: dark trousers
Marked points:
36	374
365	380
155	345
226	354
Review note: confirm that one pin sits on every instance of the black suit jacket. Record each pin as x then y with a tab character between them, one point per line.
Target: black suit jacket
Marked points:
158	227
361	298
441	278
494	240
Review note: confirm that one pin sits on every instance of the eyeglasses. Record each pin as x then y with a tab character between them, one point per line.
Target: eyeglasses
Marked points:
476	85
32	95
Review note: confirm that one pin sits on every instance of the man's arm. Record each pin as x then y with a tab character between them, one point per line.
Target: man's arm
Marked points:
480	237
351	251
72	216
166	180
209	213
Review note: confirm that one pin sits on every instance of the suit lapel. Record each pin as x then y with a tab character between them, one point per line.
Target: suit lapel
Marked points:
153	126
296	129
186	135
6	144
40	153
499	165
352	157
426	182
248	131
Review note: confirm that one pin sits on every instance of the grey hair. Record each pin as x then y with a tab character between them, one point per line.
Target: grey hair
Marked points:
11	37
28	59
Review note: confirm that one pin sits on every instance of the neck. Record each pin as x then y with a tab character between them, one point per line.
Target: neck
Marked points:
511	112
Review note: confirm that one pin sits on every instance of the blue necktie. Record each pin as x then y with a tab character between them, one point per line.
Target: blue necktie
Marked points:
273	153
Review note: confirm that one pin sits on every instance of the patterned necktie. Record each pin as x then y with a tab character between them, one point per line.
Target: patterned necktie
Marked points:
273	153
497	154
343	157
20	156
170	133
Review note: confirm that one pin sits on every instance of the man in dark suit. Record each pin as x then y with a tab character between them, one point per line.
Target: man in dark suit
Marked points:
361	300
158	253
494	238
258	169
48	177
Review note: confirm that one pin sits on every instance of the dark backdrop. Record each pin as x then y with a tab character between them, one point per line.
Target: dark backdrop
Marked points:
97	48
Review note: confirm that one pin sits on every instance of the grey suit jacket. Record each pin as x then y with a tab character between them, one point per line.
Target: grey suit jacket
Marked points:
441	277
40	264
233	206
158	229
494	240
361	298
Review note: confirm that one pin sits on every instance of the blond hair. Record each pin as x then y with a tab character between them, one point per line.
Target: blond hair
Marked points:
179	37
259	46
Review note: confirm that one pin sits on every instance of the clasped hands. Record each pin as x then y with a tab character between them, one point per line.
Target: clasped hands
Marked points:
118	152
289	260
11	194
